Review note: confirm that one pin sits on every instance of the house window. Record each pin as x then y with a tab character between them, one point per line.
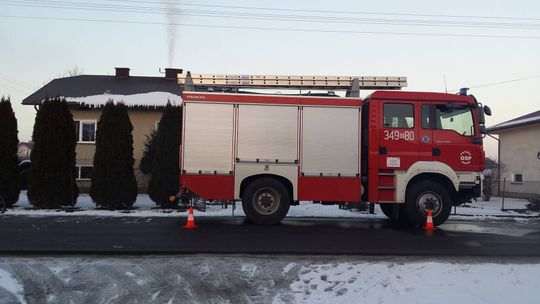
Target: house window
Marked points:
398	115
84	172
86	131
517	178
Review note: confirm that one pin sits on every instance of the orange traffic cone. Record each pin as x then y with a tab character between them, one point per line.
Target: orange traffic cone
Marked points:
190	220
429	222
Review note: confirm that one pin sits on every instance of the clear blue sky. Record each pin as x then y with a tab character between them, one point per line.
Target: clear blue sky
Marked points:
33	51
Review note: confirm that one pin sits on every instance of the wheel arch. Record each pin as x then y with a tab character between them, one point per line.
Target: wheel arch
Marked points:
283	180
423	170
436	177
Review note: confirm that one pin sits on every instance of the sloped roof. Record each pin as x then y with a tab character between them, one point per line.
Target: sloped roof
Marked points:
77	88
529	119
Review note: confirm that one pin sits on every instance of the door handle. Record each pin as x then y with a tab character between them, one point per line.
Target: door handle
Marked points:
436	152
383	150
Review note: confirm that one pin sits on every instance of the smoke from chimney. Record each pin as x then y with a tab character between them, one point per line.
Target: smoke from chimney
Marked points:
172	19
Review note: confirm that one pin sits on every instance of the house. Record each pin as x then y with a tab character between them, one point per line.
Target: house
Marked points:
145	96
519	141
23	151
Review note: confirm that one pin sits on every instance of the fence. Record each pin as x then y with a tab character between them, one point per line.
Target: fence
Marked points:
511	194
506	198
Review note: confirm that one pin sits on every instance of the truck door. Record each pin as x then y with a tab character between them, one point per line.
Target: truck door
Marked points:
398	135
454	140
425	132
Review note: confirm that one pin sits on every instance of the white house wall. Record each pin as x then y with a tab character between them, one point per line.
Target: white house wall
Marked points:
520	148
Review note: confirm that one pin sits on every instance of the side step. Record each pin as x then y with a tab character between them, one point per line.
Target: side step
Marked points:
387	185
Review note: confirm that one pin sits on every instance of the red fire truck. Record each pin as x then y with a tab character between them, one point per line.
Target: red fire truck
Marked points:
410	152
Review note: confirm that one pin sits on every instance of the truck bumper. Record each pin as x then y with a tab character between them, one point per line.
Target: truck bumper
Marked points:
468	191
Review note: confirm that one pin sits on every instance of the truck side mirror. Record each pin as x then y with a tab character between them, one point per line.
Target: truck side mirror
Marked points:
487	110
481	117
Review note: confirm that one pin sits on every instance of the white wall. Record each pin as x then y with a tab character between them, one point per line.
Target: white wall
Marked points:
519	154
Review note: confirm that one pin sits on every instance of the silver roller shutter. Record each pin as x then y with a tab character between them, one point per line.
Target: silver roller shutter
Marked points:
330	141
208	138
267	133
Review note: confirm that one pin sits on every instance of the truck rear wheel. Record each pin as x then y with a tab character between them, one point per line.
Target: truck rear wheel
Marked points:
427	195
266	201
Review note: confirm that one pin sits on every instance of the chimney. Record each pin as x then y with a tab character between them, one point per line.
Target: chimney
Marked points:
122	72
172	74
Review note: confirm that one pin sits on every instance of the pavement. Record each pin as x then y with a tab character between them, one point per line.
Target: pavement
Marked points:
314	236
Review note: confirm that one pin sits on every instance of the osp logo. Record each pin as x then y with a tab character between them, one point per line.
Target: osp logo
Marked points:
465	157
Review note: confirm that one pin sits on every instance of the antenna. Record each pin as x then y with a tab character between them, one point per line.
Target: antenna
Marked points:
445	87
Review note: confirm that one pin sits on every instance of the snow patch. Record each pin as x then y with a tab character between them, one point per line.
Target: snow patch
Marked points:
204	270
387	282
143	99
288	268
279	279
10	283
57	269
249	269
130	274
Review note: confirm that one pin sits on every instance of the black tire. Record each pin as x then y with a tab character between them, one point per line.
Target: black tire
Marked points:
425	195
387	209
266	201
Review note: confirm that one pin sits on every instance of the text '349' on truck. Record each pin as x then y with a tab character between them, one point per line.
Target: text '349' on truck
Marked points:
410	152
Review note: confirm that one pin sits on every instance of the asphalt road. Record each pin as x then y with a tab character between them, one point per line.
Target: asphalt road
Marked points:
165	235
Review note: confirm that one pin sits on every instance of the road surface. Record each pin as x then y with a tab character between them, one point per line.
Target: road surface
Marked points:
318	236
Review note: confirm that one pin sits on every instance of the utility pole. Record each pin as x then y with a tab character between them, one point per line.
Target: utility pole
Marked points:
498	164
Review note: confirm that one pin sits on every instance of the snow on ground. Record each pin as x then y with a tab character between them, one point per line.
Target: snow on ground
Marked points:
9	285
417	282
145	207
267	279
512	206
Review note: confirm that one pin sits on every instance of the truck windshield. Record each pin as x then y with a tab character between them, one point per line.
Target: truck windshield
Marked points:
457	118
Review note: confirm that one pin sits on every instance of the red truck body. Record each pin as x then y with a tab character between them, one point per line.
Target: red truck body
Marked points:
333	149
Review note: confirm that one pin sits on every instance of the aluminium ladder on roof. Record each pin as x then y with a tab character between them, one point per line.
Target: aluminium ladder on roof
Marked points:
352	84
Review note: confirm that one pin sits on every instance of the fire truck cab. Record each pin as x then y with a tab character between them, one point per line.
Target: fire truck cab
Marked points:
410	152
423	151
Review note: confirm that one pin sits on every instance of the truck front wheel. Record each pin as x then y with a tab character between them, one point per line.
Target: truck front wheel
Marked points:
266	201
388	210
427	195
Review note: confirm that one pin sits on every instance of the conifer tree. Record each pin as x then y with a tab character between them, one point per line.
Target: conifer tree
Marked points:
9	182
165	167
52	177
148	153
113	181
